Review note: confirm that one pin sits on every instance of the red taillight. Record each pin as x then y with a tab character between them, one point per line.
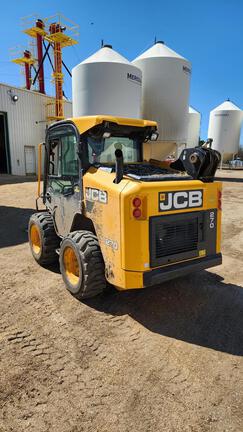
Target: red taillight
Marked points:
219	200
138	207
137	213
136	202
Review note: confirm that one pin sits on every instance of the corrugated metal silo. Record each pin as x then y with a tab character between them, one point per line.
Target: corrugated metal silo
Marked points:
224	128
106	83
165	94
194	123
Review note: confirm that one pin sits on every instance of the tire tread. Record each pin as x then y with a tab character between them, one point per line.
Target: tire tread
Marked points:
94	281
50	240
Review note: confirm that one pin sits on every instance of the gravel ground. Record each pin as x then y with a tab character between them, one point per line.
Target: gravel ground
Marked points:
169	358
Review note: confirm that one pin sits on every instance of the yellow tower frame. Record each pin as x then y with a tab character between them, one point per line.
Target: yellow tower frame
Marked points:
59	40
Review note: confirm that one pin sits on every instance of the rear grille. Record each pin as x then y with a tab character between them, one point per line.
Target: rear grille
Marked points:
175	237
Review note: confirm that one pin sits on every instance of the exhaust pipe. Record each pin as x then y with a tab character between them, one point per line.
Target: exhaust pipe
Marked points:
119	166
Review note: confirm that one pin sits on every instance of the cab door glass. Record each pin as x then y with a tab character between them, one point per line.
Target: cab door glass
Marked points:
55	154
64	163
69	165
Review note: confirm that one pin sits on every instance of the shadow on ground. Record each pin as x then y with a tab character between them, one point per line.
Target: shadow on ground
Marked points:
199	309
14	225
12	179
229	179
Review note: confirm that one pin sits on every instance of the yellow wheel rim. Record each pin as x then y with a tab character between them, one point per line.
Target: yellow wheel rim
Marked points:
35	239
71	266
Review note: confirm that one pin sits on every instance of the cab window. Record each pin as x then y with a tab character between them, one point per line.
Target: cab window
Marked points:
63	162
69	159
102	150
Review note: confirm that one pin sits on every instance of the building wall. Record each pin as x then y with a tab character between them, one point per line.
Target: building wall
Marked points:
26	122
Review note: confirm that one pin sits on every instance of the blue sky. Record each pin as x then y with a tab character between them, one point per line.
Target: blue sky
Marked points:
208	33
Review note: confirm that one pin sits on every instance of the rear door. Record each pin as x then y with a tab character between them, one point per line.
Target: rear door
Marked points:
30	158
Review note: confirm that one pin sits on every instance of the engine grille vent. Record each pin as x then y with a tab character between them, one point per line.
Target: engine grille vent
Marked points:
174	238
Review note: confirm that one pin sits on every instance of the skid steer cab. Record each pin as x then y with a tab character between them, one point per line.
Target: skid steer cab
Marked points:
113	217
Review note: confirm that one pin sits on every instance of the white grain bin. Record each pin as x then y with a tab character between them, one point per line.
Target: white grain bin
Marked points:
224	128
106	83
194	123
165	94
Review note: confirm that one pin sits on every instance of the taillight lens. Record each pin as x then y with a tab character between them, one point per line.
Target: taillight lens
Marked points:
137	213
219	200
136	202
137	207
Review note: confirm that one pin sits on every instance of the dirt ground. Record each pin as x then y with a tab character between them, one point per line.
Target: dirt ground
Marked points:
168	358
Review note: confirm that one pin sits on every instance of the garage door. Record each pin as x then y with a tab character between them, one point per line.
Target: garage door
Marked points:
29	154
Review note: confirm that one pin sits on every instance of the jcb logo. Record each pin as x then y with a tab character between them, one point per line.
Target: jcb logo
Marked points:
96	195
180	200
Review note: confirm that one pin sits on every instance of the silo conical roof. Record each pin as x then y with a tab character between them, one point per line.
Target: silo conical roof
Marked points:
106	54
227	106
159	49
193	111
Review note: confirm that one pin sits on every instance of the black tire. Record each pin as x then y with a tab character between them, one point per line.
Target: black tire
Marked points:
88	277
45	254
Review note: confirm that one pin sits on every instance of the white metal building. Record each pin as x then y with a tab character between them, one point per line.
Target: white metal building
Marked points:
22	127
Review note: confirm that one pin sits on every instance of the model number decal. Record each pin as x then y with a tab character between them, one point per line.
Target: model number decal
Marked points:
178	200
211	220
96	195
